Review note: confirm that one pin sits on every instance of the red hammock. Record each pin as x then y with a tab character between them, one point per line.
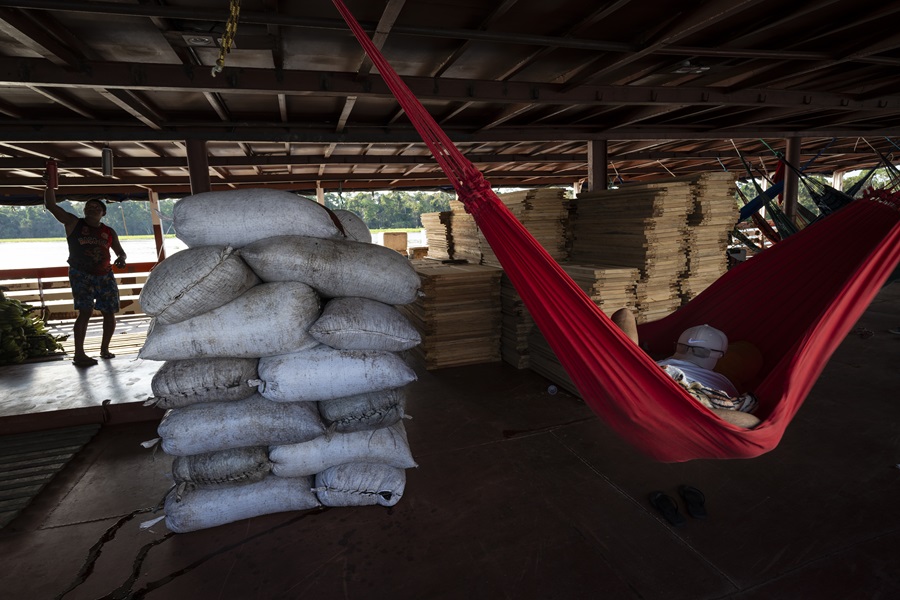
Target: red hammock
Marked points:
795	302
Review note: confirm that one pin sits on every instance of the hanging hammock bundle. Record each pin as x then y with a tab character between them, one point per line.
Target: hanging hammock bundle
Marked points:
618	380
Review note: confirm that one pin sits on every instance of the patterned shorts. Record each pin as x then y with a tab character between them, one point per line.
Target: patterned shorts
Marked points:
87	288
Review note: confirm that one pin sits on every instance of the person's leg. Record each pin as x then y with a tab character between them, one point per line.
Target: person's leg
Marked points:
108	304
80	331
83	299
109	327
624	320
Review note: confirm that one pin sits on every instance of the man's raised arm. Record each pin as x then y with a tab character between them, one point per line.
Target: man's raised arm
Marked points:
63	216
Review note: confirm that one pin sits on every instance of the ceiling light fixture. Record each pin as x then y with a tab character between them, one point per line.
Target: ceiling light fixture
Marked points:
200	40
106	161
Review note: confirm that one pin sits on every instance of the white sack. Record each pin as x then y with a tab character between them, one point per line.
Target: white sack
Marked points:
324	373
256	421
365	411
269	319
335	268
387	446
360	484
195	281
238	217
183	382
201	508
354	227
223	468
364	324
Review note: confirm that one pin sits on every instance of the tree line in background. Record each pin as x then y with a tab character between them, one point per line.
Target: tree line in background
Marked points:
379	210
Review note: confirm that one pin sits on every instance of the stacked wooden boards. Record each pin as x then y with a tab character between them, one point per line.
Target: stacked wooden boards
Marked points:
545	214
467	243
517	324
650	246
543	211
714	216
458	314
657	227
643	226
439	234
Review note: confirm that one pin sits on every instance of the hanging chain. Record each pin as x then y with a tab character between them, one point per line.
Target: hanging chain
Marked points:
228	38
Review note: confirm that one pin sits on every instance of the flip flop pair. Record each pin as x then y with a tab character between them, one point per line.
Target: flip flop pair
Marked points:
694	501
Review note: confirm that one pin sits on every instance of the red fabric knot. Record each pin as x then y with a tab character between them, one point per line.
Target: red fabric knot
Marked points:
475	192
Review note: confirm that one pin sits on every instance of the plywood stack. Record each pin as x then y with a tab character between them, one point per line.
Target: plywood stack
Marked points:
545	214
439	233
517	325
642	226
467	243
714	215
610	287
543	361
458	315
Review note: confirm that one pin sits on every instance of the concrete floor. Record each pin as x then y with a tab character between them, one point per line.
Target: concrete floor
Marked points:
518	494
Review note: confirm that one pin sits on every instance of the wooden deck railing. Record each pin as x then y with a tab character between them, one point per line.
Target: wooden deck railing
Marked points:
48	289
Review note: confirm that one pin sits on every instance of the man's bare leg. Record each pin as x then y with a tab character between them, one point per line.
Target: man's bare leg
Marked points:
109	327
79	330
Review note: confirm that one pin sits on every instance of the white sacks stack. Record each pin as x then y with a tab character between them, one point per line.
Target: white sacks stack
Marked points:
283	379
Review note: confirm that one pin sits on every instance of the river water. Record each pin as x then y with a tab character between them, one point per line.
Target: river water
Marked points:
40	254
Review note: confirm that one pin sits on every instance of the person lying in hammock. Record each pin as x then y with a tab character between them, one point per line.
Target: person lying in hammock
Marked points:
692	366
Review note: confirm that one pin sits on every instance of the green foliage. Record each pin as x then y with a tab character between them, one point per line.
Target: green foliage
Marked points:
22	333
390	209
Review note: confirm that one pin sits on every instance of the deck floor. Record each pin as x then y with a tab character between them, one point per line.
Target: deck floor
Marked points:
518	494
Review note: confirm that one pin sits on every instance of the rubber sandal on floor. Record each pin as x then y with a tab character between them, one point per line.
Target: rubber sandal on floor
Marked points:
667	508
694	500
107	355
84	362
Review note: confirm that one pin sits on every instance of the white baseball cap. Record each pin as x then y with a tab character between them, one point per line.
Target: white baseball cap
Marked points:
702	336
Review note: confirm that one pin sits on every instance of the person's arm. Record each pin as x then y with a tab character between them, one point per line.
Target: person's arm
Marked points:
117	248
63	216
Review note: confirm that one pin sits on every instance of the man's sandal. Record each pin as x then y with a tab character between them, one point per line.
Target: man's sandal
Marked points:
87	361
667	507
107	354
694	500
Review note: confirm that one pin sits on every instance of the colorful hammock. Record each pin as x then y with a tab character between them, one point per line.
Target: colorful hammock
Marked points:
820	285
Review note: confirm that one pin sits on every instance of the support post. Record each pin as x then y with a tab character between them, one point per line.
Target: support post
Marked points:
157	226
198	166
576	187
791	179
837	180
320	193
598	173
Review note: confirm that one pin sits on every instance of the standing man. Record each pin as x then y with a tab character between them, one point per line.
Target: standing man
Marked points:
90	273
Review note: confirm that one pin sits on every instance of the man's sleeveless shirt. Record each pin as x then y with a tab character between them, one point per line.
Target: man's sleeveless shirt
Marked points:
89	248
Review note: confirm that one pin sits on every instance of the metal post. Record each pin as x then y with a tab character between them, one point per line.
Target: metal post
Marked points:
198	166
791	179
598	173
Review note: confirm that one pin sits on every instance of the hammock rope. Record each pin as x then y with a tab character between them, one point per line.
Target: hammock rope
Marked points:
618	380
